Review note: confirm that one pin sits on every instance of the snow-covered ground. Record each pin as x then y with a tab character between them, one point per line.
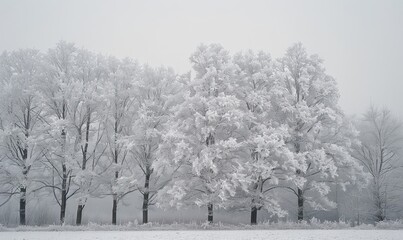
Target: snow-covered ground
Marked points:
208	234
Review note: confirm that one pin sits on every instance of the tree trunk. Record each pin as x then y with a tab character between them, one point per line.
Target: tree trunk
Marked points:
63	207
253	215
84	150
337	204
114	209
146	195
210	141
115	160
210	213
300	205
63	195
23	189
80	208
254	209
64	175
379	213
23	195
358	219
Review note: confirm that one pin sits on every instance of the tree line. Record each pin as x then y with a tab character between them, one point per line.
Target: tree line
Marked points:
233	132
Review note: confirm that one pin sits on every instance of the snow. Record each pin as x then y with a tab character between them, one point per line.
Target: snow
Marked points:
209	234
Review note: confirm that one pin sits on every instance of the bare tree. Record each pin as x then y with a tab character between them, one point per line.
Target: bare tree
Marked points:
378	153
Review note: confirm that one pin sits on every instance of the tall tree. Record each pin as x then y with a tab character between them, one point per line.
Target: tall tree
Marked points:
265	150
58	93
122	77
379	154
156	91
87	111
20	114
306	99
200	148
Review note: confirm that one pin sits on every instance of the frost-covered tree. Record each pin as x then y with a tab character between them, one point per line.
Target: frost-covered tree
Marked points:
379	153
121	81
59	94
87	113
20	116
200	148
156	92
263	137
306	100
233	133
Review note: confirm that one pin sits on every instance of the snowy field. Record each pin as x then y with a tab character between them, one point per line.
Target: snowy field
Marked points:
207	235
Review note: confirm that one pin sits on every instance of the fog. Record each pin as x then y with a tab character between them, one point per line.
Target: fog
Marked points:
360	41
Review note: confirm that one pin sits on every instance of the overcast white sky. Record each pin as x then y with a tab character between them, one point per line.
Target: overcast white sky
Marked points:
360	41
